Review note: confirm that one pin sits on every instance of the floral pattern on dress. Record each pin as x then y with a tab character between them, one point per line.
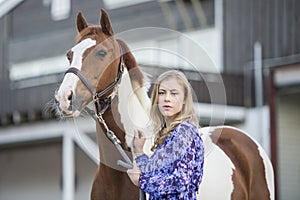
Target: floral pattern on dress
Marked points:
175	169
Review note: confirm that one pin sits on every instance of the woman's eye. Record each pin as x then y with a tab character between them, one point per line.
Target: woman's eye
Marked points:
161	93
101	53
174	93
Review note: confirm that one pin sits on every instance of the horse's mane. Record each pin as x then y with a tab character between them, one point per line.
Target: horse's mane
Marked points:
135	72
139	80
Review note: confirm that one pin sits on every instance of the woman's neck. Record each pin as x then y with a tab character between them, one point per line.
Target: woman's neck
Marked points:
169	120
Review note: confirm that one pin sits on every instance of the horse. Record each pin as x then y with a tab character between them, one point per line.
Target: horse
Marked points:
104	71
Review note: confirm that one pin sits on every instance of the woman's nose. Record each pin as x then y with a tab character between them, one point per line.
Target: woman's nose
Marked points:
167	97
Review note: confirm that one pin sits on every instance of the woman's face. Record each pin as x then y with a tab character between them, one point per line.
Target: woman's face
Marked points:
170	97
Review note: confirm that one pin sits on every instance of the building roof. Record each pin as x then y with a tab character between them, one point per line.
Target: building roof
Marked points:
6	6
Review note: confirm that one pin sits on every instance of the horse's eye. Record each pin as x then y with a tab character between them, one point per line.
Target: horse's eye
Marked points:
101	53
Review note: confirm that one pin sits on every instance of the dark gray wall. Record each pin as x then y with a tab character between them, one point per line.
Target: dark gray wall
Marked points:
31	26
28	33
274	23
3	48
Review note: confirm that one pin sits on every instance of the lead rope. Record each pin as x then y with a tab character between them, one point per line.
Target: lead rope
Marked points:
111	135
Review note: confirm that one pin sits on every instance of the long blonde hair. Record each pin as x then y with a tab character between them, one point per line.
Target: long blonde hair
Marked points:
188	113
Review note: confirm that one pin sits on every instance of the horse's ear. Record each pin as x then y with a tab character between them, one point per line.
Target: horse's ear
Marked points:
105	23
81	22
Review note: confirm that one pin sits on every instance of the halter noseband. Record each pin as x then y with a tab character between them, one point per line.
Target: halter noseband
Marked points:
99	98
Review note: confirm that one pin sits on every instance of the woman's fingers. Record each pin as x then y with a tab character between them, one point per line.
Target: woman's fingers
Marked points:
138	142
139	134
136	133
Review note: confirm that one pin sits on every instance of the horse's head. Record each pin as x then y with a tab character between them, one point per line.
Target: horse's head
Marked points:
94	65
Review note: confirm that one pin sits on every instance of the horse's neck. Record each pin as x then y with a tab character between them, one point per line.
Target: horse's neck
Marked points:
134	109
125	115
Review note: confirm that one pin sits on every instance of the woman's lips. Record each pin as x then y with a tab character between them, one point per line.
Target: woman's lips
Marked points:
167	107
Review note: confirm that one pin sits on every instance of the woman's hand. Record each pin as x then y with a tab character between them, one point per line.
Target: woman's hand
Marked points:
134	174
138	142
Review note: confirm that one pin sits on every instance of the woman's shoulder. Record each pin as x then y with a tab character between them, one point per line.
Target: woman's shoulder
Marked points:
186	126
184	134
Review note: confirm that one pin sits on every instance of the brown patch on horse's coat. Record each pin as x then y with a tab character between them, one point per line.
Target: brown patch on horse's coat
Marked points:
248	179
109	184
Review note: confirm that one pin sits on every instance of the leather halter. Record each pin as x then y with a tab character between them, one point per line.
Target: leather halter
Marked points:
99	98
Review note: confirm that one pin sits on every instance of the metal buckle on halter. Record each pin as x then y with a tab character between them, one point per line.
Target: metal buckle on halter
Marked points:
121	71
122	67
99	117
95	98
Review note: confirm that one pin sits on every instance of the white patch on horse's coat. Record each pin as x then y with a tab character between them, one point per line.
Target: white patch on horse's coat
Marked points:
134	114
142	95
70	80
218	170
269	172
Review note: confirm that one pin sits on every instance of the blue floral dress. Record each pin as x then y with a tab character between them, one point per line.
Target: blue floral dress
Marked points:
175	169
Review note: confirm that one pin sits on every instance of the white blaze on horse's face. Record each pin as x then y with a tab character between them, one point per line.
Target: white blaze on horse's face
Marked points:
68	85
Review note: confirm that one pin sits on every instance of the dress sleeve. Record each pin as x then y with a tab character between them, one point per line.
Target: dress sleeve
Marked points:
171	168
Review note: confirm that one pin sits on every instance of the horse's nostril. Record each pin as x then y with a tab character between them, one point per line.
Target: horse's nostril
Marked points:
70	96
56	101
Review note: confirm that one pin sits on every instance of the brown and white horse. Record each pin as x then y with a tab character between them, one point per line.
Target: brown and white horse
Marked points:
103	70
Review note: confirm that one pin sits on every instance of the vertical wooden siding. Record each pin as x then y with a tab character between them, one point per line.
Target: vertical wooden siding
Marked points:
274	23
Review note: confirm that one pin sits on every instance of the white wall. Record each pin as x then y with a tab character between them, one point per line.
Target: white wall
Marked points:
288	140
34	172
30	173
199	50
257	125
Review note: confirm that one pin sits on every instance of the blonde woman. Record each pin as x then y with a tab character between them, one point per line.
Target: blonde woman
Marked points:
175	169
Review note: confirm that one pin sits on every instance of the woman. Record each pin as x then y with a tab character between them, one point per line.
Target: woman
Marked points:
175	169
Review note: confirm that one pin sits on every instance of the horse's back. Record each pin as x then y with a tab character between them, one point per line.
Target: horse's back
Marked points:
235	167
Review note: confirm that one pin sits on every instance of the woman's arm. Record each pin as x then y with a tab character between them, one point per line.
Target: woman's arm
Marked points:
137	144
167	181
